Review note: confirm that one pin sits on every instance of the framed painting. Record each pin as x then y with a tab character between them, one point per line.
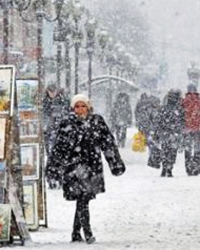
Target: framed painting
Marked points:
30	160
5	222
27	99
3	180
7	83
27	94
19	224
29	126
31	204
2	137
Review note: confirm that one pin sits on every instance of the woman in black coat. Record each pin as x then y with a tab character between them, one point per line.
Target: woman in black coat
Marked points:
76	156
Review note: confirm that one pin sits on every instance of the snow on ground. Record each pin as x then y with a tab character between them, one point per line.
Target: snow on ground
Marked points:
140	210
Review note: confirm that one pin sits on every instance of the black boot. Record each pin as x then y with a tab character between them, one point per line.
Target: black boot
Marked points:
164	172
85	221
169	173
76	235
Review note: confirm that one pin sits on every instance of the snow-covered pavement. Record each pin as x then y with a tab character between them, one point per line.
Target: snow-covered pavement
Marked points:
140	210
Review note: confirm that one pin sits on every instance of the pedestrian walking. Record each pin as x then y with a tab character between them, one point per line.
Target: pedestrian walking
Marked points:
169	123
76	156
121	118
191	105
55	104
145	112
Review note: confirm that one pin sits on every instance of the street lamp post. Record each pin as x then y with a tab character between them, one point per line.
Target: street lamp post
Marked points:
67	67
103	38
77	37
111	60
90	28
61	34
59	55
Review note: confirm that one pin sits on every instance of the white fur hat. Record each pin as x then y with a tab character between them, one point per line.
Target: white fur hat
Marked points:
80	98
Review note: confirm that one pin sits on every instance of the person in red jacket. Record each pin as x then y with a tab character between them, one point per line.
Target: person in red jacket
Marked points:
191	105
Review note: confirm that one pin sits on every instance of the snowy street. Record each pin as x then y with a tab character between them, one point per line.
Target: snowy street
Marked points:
140	210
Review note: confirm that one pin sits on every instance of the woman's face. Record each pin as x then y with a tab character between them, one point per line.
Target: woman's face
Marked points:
81	109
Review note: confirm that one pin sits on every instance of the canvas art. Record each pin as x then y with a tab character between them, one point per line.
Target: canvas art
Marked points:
30	201
2	137
30	160
7	80
27	99
5	222
3	180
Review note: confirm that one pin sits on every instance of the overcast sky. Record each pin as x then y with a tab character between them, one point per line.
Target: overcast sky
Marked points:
174	28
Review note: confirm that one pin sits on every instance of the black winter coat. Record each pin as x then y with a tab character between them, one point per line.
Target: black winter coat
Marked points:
76	156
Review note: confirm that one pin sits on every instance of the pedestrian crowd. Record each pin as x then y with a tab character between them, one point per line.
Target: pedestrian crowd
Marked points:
171	126
76	137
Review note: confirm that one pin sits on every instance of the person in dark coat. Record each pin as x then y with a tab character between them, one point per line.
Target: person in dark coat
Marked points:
121	118
191	106
145	111
55	104
146	108
76	156
169	124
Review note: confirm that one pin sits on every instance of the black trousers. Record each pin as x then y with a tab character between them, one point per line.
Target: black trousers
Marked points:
82	217
192	153
121	135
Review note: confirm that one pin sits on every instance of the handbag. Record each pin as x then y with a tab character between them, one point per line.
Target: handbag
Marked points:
139	142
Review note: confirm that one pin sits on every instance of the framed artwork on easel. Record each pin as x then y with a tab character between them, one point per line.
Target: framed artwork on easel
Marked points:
2	137
30	160
31	204
7	79
27	99
5	222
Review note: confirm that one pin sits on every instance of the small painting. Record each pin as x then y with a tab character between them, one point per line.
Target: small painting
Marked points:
2	137
5	222
30	160
30	202
27	99
7	80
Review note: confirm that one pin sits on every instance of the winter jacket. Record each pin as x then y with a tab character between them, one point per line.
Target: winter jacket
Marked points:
191	106
145	111
121	114
76	156
169	122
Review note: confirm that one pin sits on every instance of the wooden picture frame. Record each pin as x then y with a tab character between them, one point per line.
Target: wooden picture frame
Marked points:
27	99
30	161
31	204
2	137
3	180
7	83
5	222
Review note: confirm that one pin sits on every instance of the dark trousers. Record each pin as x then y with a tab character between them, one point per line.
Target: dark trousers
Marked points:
169	155
82	218
192	153
121	135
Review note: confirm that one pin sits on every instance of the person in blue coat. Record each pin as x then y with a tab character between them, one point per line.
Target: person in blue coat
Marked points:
76	157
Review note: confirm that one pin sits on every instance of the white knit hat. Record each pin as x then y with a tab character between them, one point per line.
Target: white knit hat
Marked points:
80	98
